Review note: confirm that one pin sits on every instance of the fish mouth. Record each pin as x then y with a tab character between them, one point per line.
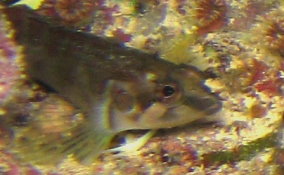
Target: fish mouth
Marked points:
209	104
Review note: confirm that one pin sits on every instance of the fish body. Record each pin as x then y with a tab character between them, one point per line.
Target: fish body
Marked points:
118	88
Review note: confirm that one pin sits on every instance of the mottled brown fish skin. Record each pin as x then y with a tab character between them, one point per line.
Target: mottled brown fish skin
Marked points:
78	65
117	87
62	57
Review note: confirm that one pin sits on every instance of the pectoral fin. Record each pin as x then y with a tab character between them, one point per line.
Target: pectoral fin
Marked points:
84	144
133	145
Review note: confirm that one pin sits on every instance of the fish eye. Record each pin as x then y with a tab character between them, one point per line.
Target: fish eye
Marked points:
168	90
168	93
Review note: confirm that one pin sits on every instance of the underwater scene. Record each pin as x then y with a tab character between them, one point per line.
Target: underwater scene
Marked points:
141	87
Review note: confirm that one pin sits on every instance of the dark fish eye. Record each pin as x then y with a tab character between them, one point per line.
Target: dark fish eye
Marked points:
169	93
168	90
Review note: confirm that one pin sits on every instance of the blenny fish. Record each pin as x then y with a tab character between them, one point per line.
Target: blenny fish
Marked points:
118	88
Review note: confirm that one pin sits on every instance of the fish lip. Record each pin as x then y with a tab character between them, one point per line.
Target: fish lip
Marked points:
208	104
214	108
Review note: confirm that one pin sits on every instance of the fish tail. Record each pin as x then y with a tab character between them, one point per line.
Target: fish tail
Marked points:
85	145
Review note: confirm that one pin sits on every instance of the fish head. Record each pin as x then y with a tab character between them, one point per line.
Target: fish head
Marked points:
160	99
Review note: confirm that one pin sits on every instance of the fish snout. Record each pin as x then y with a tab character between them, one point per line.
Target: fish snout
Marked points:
208	104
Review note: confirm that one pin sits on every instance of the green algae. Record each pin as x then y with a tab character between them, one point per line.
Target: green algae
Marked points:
244	152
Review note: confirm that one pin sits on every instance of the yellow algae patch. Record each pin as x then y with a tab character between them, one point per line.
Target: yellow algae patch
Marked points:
178	50
34	4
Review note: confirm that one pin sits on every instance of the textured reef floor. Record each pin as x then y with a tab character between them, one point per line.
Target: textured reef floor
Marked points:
238	43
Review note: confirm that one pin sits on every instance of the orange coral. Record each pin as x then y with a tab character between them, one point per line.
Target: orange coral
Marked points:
274	34
269	32
69	11
74	10
211	15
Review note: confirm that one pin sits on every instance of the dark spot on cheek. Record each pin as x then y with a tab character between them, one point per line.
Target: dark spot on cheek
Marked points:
124	101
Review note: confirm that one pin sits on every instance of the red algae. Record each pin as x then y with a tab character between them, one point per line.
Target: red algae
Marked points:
175	153
8	76
258	71
263	78
33	171
250	11
268	86
121	36
10	165
10	55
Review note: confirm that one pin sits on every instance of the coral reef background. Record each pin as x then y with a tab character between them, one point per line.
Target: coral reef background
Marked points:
238	43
